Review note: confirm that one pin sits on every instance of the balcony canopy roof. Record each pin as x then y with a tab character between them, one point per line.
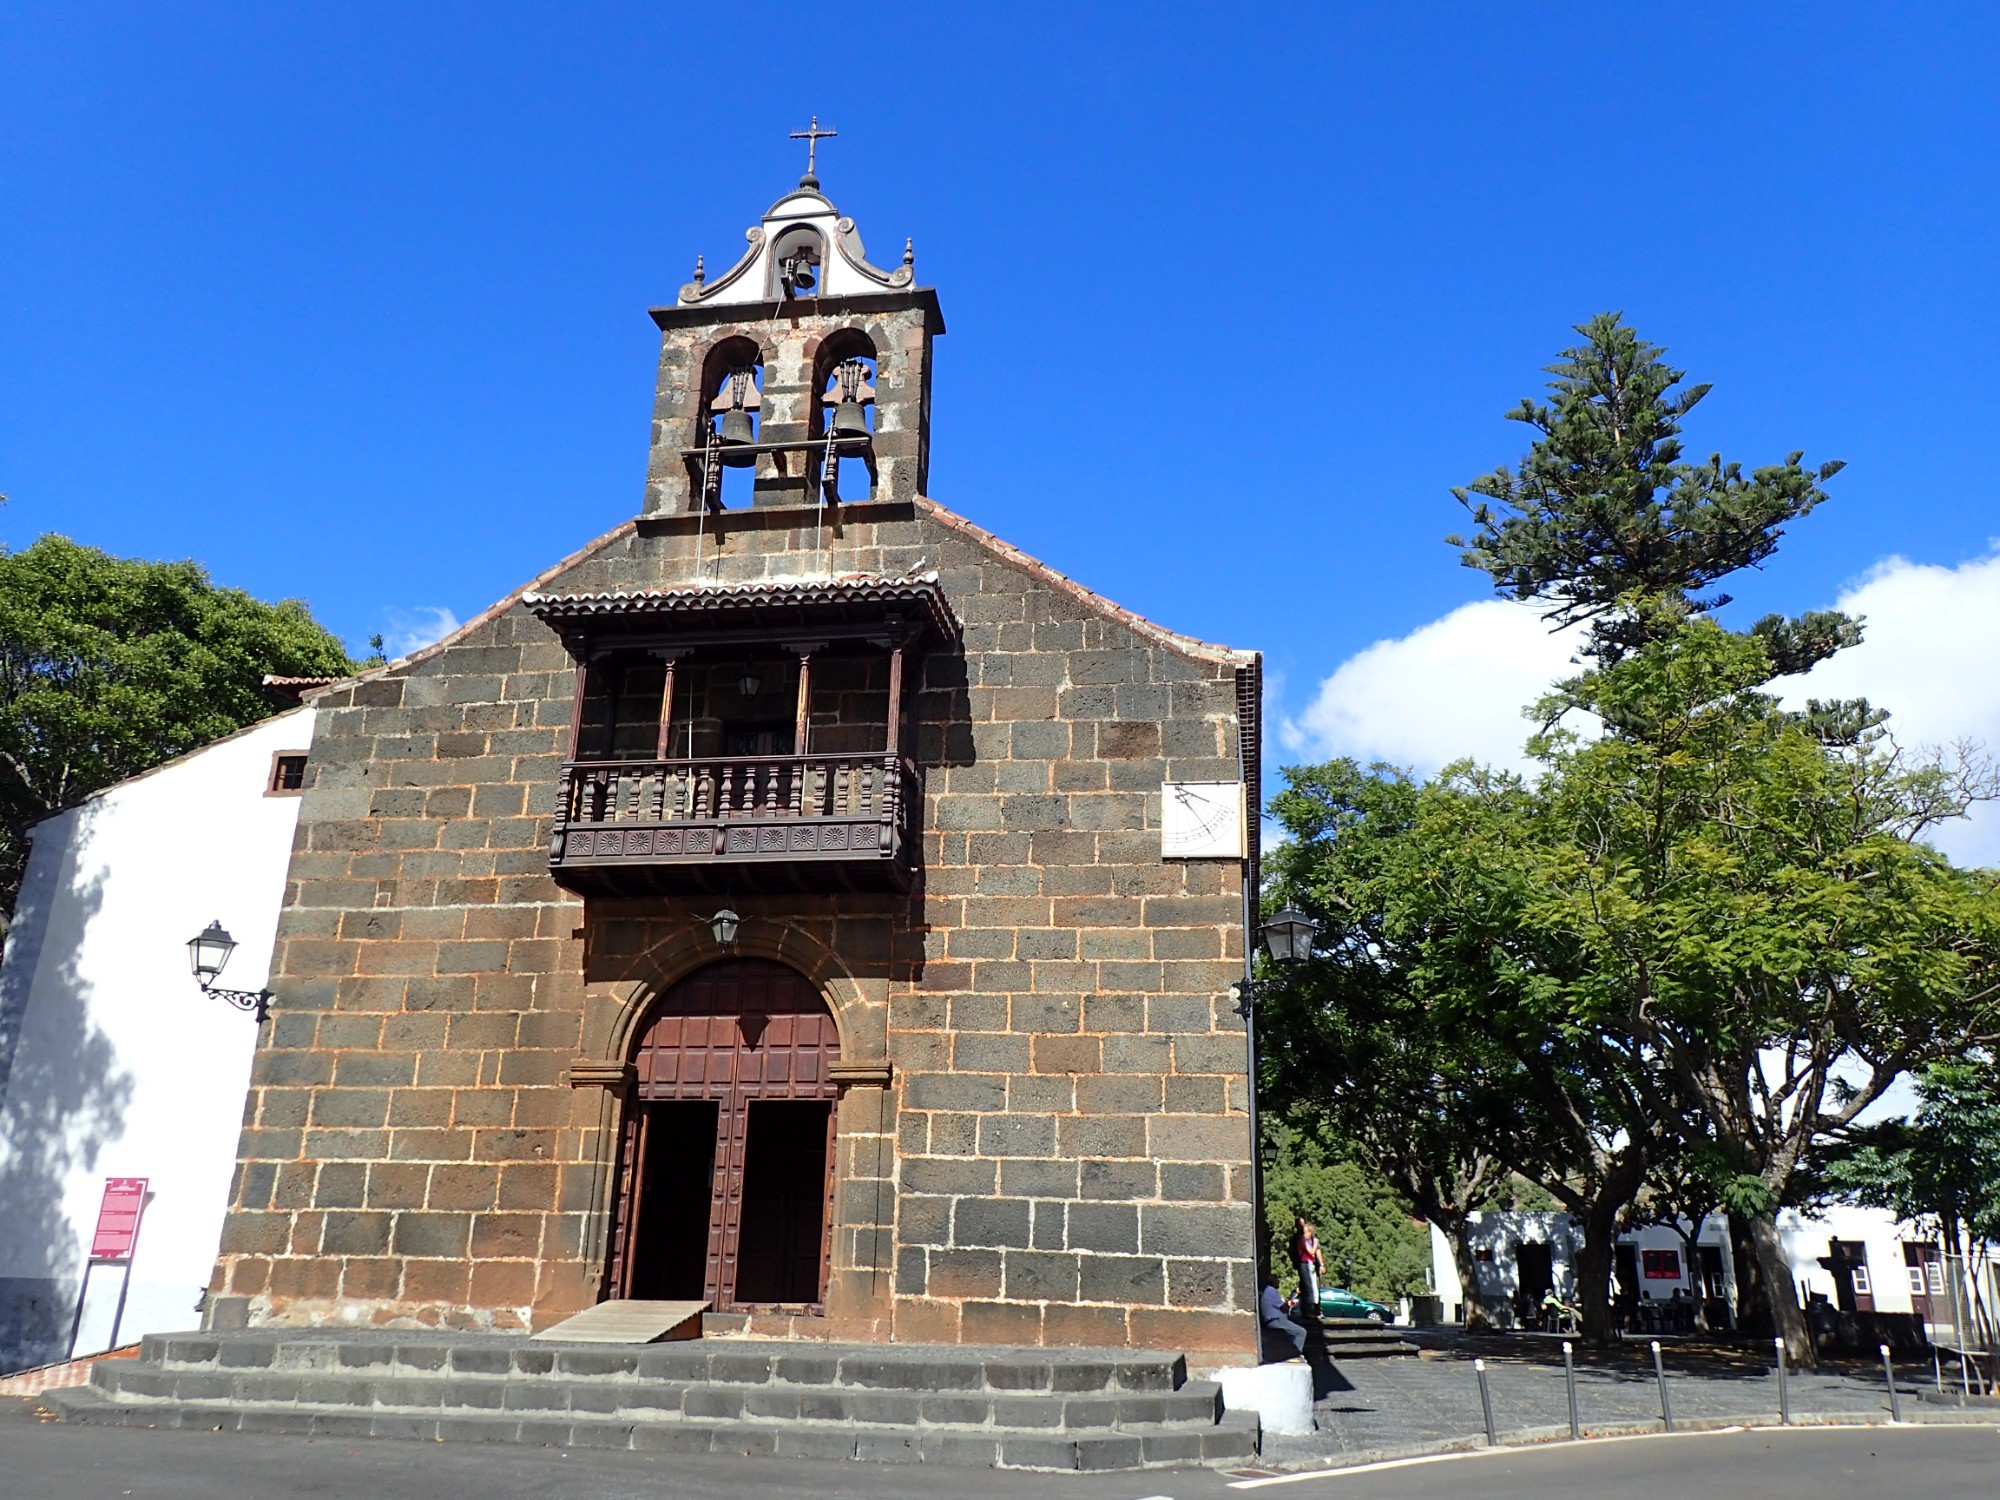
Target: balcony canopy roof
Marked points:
847	605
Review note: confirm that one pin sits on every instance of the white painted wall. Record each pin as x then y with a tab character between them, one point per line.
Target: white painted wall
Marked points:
1805	1237
112	1061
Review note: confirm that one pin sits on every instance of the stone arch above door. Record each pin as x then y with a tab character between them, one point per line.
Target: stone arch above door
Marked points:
677	949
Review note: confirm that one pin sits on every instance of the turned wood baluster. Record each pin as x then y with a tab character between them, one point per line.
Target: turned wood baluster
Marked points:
565	805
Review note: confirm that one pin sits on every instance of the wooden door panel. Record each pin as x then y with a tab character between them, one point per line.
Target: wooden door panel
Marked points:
737	1031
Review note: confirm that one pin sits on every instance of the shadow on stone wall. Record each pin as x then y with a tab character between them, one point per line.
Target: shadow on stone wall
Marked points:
62	1096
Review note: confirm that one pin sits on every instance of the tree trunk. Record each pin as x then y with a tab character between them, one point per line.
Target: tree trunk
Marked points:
1753	1307
1468	1279
1788	1318
1593	1273
1691	1251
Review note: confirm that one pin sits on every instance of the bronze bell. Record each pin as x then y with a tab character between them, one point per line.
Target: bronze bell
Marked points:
850	421
736	433
850	383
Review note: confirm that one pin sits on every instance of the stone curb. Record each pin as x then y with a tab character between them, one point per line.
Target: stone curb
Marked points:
1537	1437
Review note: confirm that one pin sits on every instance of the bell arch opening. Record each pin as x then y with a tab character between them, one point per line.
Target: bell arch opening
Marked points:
725	1169
731	419
843	408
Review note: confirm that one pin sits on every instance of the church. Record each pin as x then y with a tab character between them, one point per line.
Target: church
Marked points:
796	900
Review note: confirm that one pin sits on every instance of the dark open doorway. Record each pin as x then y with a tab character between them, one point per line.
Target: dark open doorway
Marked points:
1536	1269
1625	1282
784	1202
670	1242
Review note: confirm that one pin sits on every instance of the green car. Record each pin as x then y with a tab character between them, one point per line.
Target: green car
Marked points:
1336	1302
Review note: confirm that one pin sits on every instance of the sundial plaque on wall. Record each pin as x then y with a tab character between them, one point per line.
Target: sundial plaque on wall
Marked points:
1201	820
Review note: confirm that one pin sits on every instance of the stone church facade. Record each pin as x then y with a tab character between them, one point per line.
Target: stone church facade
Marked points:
966	1069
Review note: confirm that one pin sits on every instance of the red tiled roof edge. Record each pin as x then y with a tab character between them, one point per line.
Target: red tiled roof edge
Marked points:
1187	645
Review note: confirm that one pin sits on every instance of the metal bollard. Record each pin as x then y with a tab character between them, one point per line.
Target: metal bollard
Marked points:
1569	1379
1486	1403
1889	1374
1660	1374
1784	1386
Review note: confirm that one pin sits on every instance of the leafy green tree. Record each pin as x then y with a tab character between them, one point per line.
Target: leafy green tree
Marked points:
1420	1028
1604	521
1751	915
111	665
1372	1242
1754	913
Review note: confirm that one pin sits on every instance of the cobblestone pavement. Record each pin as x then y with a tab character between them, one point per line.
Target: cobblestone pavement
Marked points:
1369	1405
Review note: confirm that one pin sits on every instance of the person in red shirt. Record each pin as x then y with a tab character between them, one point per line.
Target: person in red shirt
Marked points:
1306	1257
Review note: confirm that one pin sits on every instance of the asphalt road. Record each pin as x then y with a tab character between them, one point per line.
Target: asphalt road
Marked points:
48	1461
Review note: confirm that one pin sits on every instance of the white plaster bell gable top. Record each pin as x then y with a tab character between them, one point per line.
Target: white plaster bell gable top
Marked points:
844	270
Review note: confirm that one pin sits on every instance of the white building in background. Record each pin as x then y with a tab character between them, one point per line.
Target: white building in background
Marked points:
113	1063
1854	1259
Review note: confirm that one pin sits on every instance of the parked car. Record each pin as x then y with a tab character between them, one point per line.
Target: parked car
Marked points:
1337	1302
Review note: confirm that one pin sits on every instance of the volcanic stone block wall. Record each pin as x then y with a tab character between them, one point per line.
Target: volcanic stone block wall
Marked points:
1042	1136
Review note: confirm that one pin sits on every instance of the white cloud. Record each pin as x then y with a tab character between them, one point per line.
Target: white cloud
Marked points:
413	629
1456	686
1928	655
1452	688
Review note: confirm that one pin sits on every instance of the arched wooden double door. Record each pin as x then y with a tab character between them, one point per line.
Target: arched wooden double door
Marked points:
726	1168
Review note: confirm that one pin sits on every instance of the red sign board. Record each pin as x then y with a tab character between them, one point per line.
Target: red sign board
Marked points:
1661	1265
118	1218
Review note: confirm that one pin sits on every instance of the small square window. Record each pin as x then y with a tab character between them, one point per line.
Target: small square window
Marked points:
288	774
1862	1287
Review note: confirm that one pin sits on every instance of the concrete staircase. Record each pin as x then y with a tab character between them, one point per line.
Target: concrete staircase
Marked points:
1359	1338
1010	1408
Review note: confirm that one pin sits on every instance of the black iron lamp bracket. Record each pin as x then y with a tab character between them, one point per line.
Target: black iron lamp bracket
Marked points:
253	1000
1245	993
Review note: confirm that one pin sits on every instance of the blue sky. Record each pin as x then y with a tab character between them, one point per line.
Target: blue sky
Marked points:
348	302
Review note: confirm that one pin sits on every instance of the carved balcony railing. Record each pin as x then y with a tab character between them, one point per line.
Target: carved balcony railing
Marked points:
636	826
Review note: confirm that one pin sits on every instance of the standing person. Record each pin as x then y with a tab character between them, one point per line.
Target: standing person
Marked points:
1306	1258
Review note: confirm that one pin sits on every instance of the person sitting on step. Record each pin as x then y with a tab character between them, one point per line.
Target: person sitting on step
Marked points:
1282	1338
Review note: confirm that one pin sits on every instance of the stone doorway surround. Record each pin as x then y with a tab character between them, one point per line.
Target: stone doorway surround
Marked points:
860	1204
751	1037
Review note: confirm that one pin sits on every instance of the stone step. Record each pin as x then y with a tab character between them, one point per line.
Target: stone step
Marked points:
1362	1338
730	1362
1018	1408
661	1400
1234	1438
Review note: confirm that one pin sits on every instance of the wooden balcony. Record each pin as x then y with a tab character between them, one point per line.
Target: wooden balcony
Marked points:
748	822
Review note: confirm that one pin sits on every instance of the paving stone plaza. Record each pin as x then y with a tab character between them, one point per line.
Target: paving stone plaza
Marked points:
1368	1406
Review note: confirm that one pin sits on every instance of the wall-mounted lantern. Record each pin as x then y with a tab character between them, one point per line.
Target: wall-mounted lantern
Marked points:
1288	936
724	924
208	953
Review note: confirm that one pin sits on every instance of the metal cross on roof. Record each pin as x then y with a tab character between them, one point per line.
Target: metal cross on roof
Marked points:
812	135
